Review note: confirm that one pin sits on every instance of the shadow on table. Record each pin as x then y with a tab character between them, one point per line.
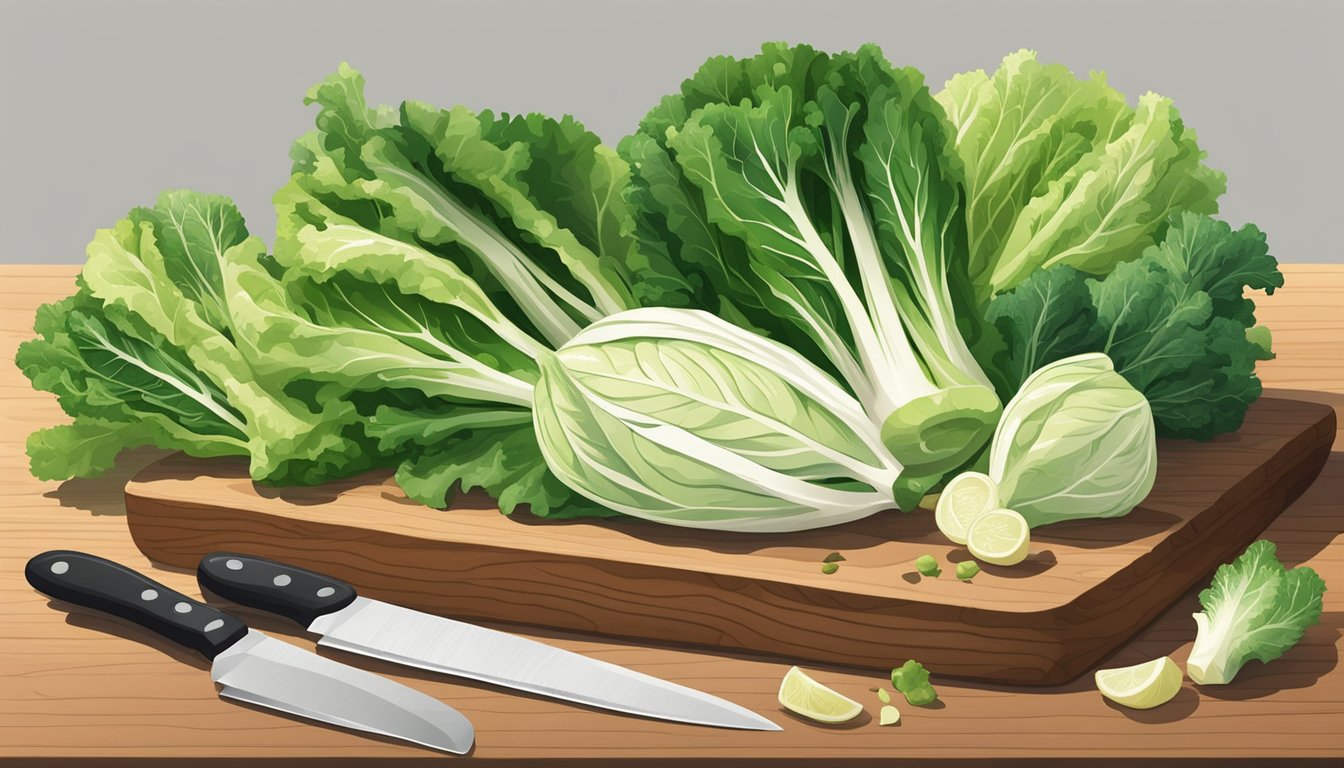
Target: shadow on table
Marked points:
104	494
1314	657
1180	707
79	616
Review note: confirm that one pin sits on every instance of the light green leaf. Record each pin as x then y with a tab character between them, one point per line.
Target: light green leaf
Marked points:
1254	609
1062	171
676	416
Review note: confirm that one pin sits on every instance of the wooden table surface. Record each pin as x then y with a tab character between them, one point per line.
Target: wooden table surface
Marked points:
80	688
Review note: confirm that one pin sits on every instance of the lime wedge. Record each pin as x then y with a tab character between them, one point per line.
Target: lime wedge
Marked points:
968	496
805	696
1142	686
999	536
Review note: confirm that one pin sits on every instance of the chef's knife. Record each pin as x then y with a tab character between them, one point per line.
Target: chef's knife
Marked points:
330	607
251	666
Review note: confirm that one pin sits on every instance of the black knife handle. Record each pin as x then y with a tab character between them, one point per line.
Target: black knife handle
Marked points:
256	582
103	585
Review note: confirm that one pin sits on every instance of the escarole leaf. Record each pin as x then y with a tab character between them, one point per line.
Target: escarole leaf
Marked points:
144	353
375	313
1063	171
505	462
1175	322
444	393
1048	317
1254	609
809	191
529	207
426	259
1015	131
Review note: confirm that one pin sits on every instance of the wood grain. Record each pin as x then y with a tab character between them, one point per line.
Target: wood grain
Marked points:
79	689
1085	589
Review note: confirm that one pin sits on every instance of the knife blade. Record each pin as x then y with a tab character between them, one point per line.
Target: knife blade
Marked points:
249	665
331	608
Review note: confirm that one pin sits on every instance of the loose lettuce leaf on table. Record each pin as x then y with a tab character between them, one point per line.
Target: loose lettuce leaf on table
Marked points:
1254	609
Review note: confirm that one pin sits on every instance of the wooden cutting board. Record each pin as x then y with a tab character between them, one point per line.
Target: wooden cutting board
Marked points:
1087	587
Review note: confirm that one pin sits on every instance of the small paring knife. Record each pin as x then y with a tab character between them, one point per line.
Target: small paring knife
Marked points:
249	665
346	621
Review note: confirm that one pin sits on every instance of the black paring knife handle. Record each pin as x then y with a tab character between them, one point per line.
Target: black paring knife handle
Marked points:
100	584
256	582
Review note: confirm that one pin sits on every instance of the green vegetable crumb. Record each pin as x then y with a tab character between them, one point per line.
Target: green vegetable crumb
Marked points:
834	557
883	695
889	715
927	566
912	679
829	568
967	570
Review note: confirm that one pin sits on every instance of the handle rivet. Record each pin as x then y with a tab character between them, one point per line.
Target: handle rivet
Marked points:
282	580
182	608
59	567
148	594
212	626
326	592
234	564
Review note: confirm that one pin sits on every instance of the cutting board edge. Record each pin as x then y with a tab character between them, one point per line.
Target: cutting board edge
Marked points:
1313	448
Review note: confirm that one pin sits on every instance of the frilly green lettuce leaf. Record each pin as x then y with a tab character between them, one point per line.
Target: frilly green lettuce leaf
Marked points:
814	193
86	448
1048	317
1062	171
1016	130
505	461
144	353
425	259
1175	322
532	208
1254	609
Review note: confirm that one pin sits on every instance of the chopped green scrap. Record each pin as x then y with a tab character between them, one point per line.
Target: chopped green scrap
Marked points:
829	568
967	570
912	679
889	715
927	566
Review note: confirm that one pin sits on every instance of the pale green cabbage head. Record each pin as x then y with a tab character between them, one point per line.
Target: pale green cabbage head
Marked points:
676	416
1076	441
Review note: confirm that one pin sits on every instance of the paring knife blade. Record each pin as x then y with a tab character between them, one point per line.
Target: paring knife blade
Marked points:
249	665
332	609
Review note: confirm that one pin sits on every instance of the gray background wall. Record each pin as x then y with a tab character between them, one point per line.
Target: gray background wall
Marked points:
105	102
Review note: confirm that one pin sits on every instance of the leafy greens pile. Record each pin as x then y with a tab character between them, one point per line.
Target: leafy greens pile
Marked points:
797	295
816	194
426	259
